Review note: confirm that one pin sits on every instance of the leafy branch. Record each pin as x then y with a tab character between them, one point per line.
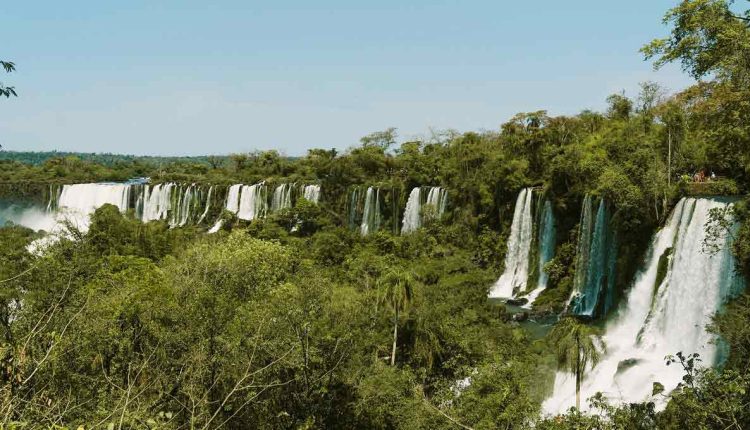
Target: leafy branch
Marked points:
8	66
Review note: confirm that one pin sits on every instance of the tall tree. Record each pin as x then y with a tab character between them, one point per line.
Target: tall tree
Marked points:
396	291
575	349
708	38
712	43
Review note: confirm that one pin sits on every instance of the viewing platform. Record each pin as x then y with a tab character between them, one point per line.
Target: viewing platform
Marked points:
718	186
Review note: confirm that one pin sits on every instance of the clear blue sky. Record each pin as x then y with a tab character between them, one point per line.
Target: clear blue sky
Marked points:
199	77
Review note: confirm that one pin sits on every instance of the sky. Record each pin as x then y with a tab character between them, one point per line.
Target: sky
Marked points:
188	77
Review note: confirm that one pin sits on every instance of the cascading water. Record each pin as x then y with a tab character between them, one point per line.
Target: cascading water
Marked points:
666	311
545	244
253	202
412	219
74	206
371	214
77	202
233	198
436	200
208	205
27	215
594	281
282	198
311	193
516	273
177	204
353	209
183	206
157	202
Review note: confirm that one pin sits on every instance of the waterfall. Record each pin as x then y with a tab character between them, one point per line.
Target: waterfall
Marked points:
157	202
174	203
233	198
208	205
311	193
77	202
545	244
436	200
27	215
371	215
248	202
186	205
673	298
177	204
282	198
253	202
412	220
516	273
353	208
86	198
54	197
594	281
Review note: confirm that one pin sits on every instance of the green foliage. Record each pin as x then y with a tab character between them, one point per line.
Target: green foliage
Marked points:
8	66
707	38
576	349
291	321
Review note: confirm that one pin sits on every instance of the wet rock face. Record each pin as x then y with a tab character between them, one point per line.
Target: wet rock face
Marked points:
626	364
517	302
521	317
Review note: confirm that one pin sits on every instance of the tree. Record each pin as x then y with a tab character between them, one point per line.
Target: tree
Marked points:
7	91
380	139
620	106
239	160
397	291
707	38
575	349
215	161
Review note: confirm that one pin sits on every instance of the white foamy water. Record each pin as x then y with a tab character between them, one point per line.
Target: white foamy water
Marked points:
437	199
516	273
660	320
32	217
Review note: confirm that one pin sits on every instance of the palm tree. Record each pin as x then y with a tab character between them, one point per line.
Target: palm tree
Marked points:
575	348
8	66
396	290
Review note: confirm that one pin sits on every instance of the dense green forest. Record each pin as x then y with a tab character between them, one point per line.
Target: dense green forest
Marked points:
109	160
139	325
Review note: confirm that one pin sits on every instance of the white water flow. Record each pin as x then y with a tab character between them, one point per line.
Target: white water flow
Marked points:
436	200
596	258
311	193
216	227
661	317
208	205
157	202
241	201
371	214
77	202
29	216
515	276
282	198
233	198
546	246
252	202
353	209
186	206
412	220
